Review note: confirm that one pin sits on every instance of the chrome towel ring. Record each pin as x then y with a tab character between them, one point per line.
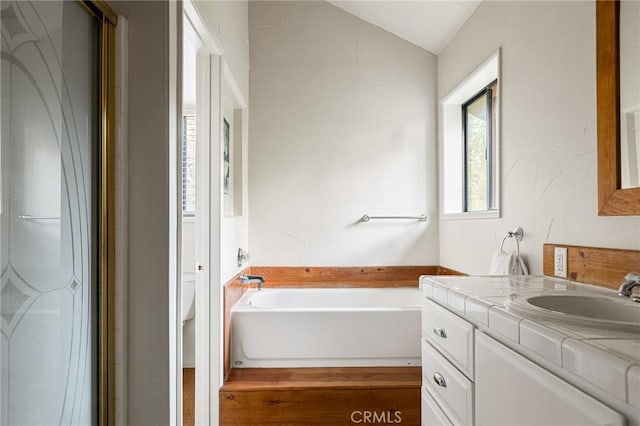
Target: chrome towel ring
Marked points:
517	235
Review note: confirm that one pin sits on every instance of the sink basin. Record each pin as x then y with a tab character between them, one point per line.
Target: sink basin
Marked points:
592	310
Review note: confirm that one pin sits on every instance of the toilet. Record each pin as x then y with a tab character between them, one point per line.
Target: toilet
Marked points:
188	325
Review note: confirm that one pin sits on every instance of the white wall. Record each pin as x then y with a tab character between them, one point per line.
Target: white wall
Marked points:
148	345
549	173
342	124
228	20
235	225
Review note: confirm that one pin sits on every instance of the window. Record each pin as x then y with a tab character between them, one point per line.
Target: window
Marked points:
188	165
479	122
470	145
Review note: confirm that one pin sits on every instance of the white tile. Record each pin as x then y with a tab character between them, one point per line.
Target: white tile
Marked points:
596	366
500	301
558	284
541	281
427	287
440	293
557	327
504	323
487	282
628	349
450	281
633	386
456	300
586	332
426	281
541	340
487	292
478	310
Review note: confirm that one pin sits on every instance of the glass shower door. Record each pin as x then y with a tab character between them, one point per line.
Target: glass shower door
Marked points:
50	176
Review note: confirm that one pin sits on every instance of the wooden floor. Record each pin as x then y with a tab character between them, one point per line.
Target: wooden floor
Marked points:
188	396
320	396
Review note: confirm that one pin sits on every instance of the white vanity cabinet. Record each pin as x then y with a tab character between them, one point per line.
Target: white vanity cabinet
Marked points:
447	366
430	411
511	390
469	378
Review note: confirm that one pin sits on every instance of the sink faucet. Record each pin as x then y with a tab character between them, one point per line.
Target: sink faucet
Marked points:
626	289
252	279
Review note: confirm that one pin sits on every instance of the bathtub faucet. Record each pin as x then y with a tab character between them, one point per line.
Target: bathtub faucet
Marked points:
252	279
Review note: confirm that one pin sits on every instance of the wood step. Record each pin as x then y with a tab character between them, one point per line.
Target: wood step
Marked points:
321	396
326	377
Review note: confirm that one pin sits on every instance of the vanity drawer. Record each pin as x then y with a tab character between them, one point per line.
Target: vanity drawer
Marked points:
430	413
450	334
450	388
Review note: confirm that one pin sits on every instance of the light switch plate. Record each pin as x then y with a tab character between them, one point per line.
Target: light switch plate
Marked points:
560	262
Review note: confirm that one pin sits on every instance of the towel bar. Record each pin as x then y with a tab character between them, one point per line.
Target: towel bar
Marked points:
28	217
422	218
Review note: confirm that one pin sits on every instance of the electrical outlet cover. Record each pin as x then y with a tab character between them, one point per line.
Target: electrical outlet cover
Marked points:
560	262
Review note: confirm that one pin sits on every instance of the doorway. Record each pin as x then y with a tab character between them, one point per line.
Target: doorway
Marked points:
190	122
200	183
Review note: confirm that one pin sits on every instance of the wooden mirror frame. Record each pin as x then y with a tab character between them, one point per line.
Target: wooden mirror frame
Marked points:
612	200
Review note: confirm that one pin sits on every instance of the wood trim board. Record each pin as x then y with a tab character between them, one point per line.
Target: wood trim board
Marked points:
593	265
356	276
442	270
242	379
320	396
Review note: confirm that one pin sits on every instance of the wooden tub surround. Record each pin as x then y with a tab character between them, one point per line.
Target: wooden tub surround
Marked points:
344	396
233	291
323	277
321	396
358	276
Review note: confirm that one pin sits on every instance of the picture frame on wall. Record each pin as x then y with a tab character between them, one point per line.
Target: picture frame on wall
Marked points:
226	157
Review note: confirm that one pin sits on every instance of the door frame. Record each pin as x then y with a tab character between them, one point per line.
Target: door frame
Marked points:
208	304
106	212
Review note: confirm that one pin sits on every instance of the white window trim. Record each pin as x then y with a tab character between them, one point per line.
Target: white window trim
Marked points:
480	77
187	111
189	219
485	214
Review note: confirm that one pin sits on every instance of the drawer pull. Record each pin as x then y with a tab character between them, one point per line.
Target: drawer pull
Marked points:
439	379
440	332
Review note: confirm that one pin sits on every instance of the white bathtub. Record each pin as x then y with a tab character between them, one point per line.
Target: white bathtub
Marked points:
326	328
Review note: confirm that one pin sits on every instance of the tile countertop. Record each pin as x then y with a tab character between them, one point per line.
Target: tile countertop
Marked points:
608	359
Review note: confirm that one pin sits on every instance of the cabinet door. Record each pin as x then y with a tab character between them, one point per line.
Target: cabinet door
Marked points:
452	390
511	390
452	335
431	414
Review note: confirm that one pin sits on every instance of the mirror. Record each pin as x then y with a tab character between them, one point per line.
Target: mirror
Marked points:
614	198
630	94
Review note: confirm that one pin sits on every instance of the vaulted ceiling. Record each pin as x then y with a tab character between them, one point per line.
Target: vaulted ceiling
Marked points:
430	24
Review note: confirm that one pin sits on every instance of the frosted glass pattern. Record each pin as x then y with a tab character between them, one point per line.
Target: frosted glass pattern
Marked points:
48	244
